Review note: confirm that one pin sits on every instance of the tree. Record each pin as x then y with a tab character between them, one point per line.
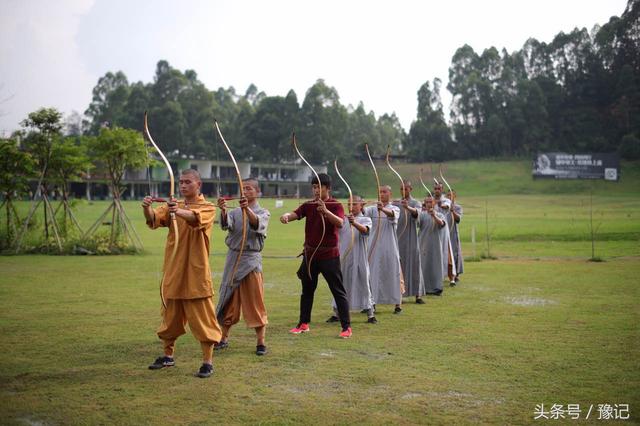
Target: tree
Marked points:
16	168
117	150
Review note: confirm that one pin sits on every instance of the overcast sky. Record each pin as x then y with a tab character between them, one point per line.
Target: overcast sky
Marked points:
52	53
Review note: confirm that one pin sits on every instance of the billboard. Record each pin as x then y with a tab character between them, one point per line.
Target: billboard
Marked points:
560	165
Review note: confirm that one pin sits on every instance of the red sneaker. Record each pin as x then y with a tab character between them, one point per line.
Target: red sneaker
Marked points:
345	334
300	328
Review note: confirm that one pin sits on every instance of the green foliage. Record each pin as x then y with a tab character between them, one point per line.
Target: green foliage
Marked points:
118	149
16	168
630	147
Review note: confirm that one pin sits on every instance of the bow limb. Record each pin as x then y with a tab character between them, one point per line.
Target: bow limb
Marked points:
174	224
350	207
375	172
324	226
424	185
406	217
446	183
243	241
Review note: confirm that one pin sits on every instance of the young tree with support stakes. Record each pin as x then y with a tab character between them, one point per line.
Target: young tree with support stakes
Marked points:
42	131
117	150
69	161
16	167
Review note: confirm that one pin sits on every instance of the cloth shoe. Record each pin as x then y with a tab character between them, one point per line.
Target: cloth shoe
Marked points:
419	301
220	345
205	371
333	318
162	362
372	320
397	310
261	350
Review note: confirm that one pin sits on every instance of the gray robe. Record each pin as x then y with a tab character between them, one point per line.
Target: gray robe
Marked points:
251	259
384	259
408	248
455	241
354	264
447	250
432	256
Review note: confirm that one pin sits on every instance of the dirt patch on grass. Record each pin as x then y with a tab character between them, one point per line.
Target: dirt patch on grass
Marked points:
529	301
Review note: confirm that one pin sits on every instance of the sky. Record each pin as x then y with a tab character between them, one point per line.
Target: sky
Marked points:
376	52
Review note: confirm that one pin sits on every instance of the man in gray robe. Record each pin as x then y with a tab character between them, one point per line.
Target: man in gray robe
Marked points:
408	243
384	258
246	292
456	215
353	261
432	229
443	205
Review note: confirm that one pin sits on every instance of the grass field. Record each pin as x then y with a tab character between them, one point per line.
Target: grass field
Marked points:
538	325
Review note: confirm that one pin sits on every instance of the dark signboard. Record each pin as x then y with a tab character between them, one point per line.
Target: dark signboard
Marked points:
559	165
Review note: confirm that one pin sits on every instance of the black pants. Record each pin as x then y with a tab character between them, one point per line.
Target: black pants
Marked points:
330	270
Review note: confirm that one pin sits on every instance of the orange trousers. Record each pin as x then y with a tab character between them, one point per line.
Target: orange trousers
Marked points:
248	298
200	314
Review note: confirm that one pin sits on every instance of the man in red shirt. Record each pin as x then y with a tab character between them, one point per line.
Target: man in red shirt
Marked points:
322	251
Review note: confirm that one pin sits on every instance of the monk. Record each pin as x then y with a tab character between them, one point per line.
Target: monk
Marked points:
186	282
246	292
384	258
408	243
353	261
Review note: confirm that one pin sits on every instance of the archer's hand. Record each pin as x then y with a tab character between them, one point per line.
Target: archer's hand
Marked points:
147	201
351	219
404	203
380	205
322	207
244	203
173	205
222	203
284	218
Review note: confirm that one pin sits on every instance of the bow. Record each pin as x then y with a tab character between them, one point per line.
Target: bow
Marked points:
174	224
350	206
424	185
324	226
446	183
406	221
244	214
375	172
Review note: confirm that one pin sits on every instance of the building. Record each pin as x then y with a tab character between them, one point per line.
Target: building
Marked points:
218	178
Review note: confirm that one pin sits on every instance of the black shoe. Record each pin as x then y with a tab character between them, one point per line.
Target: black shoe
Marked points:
333	318
261	350
452	284
162	362
397	310
419	301
205	371
364	311
220	345
372	320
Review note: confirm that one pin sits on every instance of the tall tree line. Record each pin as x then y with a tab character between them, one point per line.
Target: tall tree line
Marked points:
580	92
257	127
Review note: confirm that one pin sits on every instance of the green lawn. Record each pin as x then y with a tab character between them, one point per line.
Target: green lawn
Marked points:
539	325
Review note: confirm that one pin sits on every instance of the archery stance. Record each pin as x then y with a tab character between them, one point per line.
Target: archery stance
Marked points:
353	261
456	215
384	259
432	228
408	243
186	282
443	205
321	252
246	292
